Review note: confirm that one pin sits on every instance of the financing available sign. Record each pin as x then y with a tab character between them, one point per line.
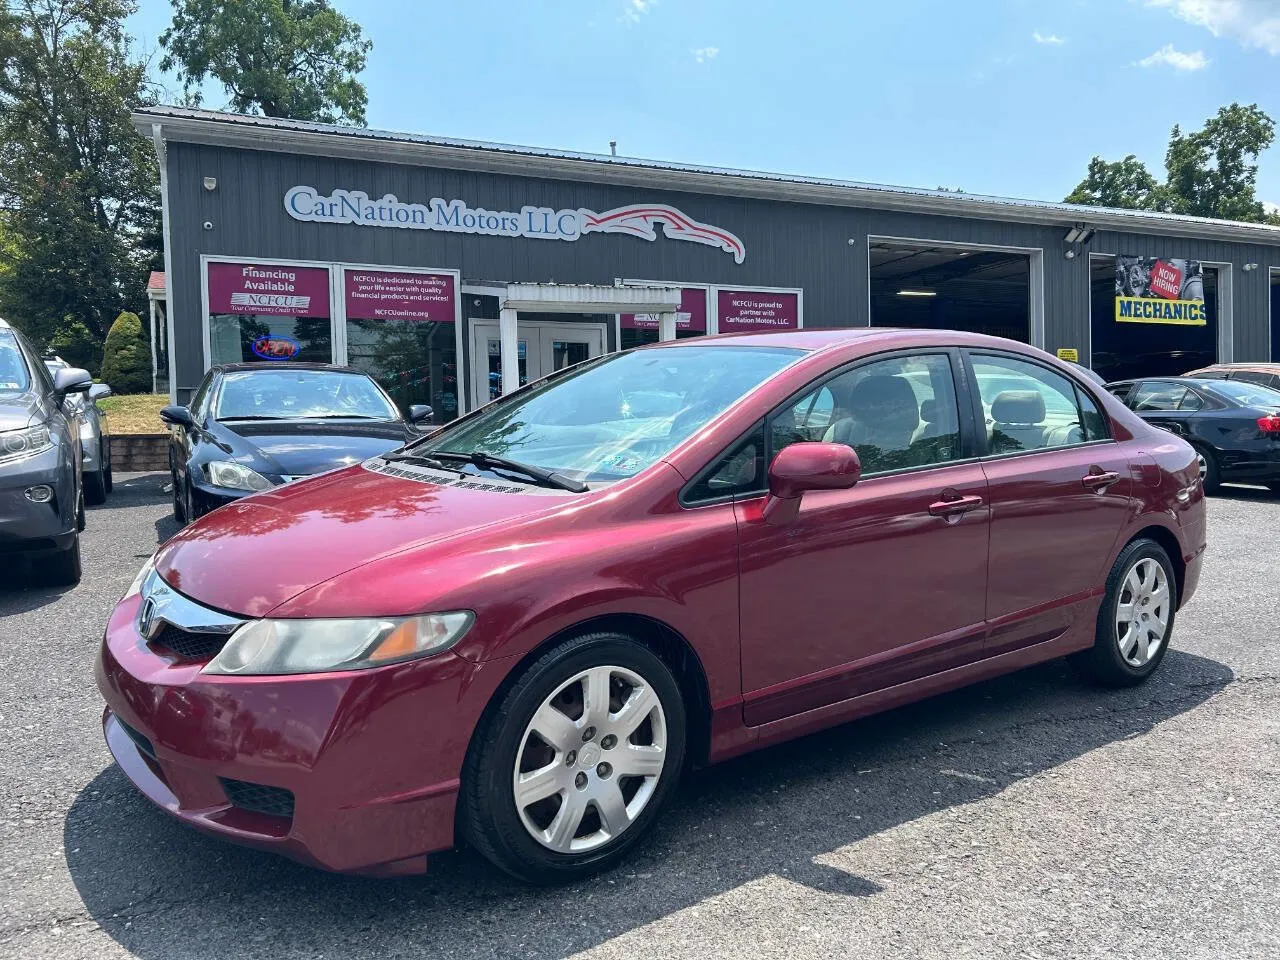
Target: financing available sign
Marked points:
1160	290
638	220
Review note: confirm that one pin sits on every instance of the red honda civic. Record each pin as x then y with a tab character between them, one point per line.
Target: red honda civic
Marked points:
520	630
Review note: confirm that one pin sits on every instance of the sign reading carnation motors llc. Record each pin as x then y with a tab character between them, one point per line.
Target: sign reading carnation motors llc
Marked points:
742	310
638	220
268	290
398	295
691	315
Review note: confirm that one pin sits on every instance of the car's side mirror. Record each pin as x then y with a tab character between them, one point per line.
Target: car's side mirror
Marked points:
72	380
99	391
177	416
801	467
420	413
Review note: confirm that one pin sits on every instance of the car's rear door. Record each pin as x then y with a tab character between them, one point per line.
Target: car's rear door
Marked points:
1060	489
881	583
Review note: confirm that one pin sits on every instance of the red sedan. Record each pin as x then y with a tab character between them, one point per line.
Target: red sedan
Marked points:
520	630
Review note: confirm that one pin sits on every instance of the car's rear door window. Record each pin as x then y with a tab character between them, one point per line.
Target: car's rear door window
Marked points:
1026	406
1157	395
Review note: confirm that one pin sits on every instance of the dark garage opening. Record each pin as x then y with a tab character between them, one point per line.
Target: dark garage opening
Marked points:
1122	351
921	286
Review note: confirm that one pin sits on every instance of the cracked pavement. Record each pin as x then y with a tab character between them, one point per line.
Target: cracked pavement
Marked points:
1031	816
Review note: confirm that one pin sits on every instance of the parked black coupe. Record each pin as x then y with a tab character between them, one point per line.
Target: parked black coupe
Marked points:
253	426
1234	425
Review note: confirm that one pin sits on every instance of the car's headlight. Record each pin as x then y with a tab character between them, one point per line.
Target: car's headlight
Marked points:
266	647
27	442
135	588
235	476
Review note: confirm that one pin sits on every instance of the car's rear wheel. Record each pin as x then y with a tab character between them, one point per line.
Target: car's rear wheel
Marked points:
95	487
179	499
62	569
576	762
1136	618
1210	477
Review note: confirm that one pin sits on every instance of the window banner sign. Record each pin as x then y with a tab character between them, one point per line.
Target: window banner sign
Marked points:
398	295
739	311
271	290
639	220
691	315
1160	290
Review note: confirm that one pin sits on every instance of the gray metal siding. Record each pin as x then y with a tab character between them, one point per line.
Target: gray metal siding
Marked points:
788	245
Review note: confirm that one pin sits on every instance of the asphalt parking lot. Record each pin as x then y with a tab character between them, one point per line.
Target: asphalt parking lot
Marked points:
1030	816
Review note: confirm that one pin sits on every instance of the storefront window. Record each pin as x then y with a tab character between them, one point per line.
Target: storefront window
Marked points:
691	320
263	311
400	330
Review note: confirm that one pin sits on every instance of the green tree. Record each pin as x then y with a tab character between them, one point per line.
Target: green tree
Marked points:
126	359
77	183
77	345
1211	172
283	58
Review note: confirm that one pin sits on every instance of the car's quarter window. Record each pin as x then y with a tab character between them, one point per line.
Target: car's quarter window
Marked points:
1191	401
739	470
1154	395
1027	407
896	413
612	418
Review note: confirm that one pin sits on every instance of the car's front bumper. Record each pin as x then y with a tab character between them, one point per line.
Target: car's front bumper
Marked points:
372	758
29	526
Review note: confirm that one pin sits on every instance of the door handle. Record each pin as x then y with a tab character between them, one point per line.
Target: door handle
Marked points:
954	507
1098	482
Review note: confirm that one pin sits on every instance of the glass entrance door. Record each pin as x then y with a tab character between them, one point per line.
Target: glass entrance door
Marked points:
543	348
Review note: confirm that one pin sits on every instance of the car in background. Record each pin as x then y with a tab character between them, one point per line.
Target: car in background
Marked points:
517	630
1233	424
1263	374
41	479
95	436
253	426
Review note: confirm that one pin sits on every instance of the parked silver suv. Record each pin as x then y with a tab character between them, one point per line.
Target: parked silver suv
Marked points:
95	436
41	490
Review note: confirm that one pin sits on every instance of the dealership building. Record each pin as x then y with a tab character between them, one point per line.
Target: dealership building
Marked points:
454	270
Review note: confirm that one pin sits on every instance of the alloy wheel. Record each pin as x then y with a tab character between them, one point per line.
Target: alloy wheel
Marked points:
1142	612
1204	466
590	759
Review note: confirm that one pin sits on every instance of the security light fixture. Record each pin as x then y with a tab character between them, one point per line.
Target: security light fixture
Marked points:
1080	233
917	293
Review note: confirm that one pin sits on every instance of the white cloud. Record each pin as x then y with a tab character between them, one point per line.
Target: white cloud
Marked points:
635	9
1166	56
1251	23
703	54
1052	39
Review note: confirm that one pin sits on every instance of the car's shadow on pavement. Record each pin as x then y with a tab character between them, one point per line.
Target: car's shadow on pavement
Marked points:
165	891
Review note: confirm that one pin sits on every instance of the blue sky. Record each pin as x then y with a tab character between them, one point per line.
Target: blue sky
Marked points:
1004	97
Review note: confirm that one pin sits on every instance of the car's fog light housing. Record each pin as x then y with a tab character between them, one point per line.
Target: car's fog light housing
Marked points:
40	493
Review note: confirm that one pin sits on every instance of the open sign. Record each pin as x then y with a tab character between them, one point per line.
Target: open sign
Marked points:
276	346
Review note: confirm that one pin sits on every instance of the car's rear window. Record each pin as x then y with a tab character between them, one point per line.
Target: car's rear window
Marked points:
14	375
1249	394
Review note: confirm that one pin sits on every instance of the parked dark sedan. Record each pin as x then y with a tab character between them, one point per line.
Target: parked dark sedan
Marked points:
253	426
1233	424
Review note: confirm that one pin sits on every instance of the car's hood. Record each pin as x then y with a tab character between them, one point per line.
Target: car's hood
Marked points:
17	412
250	556
297	449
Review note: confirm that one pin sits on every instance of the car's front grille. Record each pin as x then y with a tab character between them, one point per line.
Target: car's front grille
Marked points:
189	644
259	798
141	742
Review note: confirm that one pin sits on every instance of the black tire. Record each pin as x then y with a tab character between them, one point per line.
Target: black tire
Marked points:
95	488
81	519
62	569
108	481
487	814
1104	661
179	501
1212	475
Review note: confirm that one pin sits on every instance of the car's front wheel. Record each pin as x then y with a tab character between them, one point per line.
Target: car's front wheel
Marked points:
576	762
1136	617
62	569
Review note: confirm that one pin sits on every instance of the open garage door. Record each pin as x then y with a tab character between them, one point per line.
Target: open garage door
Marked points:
918	285
1122	351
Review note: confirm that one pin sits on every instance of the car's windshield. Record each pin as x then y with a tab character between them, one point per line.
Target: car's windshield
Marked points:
1249	394
14	377
611	419
285	394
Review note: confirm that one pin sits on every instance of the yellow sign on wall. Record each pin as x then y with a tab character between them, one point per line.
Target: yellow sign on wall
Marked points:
1186	313
1069	353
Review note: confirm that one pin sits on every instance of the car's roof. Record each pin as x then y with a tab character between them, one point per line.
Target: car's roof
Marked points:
283	365
827	337
1261	367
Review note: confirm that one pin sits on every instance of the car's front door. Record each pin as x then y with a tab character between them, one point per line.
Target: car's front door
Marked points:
880	583
1060	490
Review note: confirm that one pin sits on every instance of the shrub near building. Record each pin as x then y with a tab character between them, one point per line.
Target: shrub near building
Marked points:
126	357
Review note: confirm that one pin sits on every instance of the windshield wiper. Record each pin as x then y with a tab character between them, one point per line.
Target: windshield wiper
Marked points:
341	416
404	456
487	461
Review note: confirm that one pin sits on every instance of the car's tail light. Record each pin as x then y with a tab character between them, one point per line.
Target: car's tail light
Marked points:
1270	423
